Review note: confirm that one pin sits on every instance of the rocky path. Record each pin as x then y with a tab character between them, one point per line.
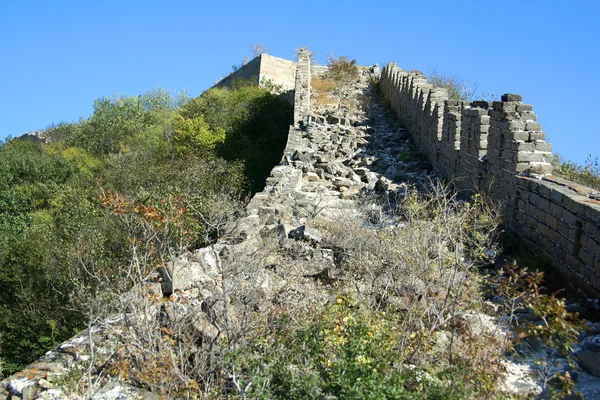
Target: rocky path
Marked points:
351	147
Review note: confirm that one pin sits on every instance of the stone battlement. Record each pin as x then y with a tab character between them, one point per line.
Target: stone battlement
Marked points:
499	148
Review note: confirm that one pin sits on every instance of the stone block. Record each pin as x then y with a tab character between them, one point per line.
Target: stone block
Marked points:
516	125
586	257
592	212
536	136
511	97
524	107
590	362
516	135
530	156
556	238
523	146
533	126
528	116
551	221
521	167
543	146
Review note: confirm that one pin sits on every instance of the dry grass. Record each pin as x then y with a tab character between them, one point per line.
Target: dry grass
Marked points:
322	90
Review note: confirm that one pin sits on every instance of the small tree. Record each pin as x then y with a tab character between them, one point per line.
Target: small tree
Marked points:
258	49
342	69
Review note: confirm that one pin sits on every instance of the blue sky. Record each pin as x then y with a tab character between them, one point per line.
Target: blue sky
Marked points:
57	56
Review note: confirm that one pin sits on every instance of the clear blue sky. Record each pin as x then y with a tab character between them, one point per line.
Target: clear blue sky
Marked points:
57	56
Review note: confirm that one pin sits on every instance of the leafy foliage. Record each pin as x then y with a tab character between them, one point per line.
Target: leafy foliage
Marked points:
254	122
345	351
587	174
57	237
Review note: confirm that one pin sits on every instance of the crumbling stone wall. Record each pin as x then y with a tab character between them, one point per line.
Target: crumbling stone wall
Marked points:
499	148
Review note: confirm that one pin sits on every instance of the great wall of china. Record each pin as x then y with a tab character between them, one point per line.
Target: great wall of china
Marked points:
497	148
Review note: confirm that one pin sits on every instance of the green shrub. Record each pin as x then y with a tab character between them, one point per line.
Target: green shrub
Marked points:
254	121
345	351
60	248
587	174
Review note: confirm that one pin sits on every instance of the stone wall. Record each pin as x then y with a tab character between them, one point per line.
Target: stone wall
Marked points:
499	148
277	73
302	89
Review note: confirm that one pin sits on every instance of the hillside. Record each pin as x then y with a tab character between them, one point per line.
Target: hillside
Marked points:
210	256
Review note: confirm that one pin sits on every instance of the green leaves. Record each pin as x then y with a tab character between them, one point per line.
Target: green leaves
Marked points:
347	351
158	151
195	136
254	123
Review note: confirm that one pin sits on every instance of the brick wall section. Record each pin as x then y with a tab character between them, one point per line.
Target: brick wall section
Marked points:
278	71
302	89
499	148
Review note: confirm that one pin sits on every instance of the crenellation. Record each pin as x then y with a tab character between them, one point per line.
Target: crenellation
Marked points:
500	148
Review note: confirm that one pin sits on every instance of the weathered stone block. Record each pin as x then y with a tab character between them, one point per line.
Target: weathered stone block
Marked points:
543	147
586	257
516	125
511	97
528	116
516	135
536	136
533	126
529	156
524	107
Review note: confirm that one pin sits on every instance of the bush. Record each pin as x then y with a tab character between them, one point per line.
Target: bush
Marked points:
459	89
254	122
61	252
345	351
342	69
587	174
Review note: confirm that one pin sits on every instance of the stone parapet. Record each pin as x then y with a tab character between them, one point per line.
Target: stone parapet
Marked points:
499	148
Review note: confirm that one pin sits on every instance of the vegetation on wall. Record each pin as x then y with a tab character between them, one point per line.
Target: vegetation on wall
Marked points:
402	310
459	89
587	174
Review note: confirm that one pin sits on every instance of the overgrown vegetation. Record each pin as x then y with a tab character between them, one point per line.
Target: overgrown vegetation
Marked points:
328	89
184	161
322	90
400	321
398	299
401	314
459	89
341	69
587	174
